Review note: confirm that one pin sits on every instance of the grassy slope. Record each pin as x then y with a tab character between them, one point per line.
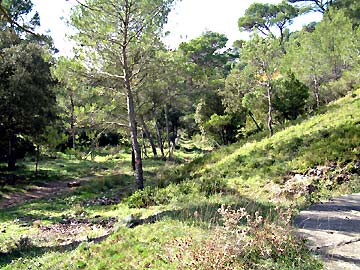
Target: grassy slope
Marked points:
246	168
331	136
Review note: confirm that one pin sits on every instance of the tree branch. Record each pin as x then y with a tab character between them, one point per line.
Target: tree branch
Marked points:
13	22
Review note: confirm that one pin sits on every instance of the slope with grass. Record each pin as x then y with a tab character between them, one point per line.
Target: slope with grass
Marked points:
86	229
330	137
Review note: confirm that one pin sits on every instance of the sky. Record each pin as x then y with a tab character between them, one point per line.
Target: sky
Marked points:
189	19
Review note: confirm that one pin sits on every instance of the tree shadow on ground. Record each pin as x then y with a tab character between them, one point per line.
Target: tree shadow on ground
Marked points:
206	214
31	251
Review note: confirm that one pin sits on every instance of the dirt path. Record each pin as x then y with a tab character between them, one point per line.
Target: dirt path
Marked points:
39	192
333	230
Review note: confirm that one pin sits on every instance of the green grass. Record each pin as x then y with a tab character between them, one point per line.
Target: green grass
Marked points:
186	194
331	136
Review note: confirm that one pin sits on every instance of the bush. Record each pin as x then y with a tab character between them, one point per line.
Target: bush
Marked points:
141	198
262	244
212	185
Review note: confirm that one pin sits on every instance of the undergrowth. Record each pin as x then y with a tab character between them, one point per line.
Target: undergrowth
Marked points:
244	241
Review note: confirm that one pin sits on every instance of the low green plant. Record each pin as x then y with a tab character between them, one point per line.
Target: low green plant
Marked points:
212	185
141	198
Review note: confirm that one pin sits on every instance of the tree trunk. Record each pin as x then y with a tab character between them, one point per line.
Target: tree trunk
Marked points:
253	119
143	135
72	120
270	119
316	93
130	100
12	153
159	137
37	159
134	138
133	160
168	130
149	136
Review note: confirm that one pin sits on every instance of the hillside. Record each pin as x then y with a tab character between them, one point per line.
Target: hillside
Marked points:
330	138
174	220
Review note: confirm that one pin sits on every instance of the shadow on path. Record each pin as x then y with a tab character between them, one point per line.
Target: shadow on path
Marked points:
333	231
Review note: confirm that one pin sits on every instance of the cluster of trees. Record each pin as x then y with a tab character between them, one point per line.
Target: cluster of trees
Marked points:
123	80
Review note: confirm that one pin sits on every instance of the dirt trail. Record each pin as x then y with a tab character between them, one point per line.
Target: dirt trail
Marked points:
39	192
333	231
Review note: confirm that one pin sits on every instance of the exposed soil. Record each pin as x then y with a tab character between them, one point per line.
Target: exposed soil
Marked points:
39	192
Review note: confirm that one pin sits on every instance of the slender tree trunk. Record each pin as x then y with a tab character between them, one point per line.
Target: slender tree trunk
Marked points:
11	153
168	130
159	138
270	118
253	119
133	160
149	136
37	159
130	101
143	135
134	139
72	120
316	93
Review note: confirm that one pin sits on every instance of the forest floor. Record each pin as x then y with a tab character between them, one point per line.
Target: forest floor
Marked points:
305	162
45	190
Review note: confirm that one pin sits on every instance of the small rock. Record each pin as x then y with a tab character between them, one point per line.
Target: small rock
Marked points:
74	184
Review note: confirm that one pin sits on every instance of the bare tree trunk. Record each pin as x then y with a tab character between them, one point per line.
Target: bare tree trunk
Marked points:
37	159
253	119
270	118
134	137
130	99
149	136
133	160
130	103
11	153
168	130
72	120
159	137
143	135
316	92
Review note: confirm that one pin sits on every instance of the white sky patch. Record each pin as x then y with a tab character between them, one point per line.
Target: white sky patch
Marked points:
188	20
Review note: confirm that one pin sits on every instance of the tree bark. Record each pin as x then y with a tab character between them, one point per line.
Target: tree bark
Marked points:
12	153
72	120
149	136
270	118
133	160
168	131
159	138
316	93
134	136
37	159
253	119
130	102
143	135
